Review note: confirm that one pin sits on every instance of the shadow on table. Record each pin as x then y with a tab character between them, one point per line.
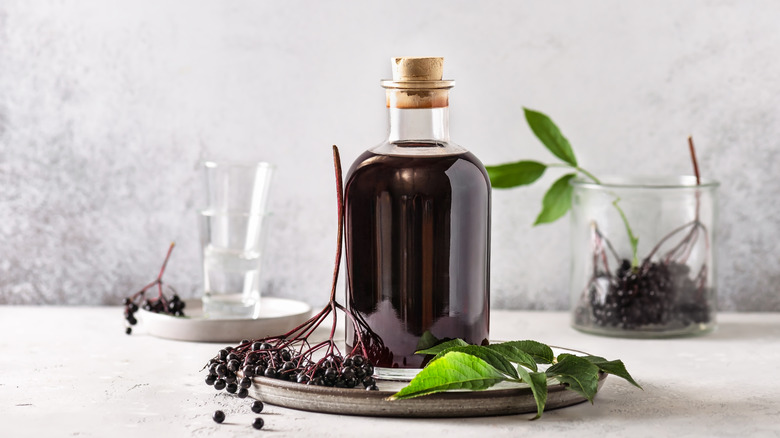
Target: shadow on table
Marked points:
709	409
727	331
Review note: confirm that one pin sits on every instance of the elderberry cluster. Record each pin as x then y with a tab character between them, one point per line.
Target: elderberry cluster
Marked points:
346	373
173	306
232	369
660	295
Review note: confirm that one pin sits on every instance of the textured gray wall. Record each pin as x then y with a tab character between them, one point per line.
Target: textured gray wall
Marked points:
107	106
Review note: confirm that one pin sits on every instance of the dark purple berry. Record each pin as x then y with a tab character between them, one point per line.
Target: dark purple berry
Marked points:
347	372
270	372
211	379
257	406
129	330
369	381
246	382
232	388
331	375
220	384
258	423
243	393
218	416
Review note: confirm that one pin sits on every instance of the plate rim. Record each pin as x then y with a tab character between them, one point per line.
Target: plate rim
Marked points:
342	401
305	308
200	329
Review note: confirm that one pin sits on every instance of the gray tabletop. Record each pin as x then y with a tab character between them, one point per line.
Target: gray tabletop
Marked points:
71	371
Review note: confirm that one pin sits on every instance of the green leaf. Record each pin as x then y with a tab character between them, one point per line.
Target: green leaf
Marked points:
455	370
579	374
538	384
495	359
514	354
614	367
436	349
549	134
427	340
557	200
541	353
520	173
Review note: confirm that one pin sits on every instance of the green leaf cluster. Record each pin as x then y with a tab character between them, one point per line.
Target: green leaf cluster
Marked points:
557	199
457	365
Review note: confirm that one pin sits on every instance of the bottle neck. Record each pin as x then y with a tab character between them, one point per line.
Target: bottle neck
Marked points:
419	124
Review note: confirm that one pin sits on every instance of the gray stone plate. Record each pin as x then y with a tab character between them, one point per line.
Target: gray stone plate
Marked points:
502	399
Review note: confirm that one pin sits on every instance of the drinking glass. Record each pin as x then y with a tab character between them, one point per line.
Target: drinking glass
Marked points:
232	233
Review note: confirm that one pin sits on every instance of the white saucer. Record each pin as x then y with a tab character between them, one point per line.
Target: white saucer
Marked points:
277	316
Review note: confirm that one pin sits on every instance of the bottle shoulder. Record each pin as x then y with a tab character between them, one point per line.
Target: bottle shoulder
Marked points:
452	166
410	148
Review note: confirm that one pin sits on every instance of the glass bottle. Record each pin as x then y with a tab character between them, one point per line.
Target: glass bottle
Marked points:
417	216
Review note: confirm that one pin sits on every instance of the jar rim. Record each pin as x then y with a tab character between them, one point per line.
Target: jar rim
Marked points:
646	182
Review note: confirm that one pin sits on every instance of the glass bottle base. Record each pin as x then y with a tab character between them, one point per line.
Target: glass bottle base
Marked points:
396	374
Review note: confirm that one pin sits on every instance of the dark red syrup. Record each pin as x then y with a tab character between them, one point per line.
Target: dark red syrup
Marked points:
418	250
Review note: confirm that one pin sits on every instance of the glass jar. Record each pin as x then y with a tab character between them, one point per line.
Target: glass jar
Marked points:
643	256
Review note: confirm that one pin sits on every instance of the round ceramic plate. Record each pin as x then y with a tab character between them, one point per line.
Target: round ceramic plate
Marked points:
502	399
277	315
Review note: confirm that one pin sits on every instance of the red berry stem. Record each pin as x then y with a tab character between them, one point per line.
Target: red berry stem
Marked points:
340	210
693	159
683	249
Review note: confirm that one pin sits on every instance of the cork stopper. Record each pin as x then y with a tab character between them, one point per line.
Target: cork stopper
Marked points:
417	69
417	83
419	73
